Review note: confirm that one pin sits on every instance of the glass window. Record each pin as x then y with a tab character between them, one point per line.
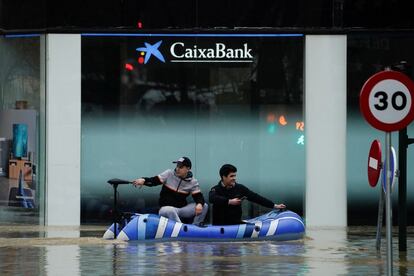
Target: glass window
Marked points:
369	54
21	143
216	99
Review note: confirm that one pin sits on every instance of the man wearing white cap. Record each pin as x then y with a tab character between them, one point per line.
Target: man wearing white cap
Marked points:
177	185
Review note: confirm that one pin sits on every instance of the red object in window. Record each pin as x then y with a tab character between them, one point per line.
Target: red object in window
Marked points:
271	118
139	25
141	60
129	67
282	120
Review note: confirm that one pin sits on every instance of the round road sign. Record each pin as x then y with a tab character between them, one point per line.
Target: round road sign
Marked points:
387	100
374	163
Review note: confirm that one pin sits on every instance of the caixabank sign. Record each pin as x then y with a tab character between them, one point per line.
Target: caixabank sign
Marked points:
182	51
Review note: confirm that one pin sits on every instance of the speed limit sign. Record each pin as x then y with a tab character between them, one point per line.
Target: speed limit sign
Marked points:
386	100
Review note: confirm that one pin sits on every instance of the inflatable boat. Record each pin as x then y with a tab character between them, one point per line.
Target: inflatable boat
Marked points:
275	225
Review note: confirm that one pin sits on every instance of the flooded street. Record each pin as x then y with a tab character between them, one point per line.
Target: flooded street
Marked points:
36	250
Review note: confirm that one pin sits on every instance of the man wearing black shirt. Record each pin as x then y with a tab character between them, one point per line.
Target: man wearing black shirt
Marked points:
228	195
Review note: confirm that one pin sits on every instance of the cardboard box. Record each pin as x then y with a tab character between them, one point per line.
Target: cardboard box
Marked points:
16	165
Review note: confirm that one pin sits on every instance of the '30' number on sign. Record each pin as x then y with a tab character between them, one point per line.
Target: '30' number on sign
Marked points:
398	100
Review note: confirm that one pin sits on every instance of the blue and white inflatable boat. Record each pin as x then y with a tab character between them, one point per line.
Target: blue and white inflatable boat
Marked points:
275	225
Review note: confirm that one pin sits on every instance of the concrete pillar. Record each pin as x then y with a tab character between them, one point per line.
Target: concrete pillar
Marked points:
325	124
63	129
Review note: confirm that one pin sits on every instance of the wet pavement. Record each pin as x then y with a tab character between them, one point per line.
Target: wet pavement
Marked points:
38	250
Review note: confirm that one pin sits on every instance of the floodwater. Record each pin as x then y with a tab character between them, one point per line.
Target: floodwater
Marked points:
37	250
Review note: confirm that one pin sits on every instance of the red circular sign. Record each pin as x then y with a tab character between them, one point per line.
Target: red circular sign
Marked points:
387	100
374	163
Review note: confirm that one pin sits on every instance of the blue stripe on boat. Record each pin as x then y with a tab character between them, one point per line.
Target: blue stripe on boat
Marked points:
182	233
169	229
240	231
152	226
131	229
141	227
249	230
264	229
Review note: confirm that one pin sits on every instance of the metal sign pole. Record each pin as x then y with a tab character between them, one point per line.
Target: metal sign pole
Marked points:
380	219
388	202
402	190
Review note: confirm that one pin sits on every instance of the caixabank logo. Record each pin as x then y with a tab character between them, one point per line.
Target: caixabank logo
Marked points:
180	51
148	51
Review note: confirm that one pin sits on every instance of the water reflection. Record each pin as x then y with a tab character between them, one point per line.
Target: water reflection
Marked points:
230	257
322	252
325	251
21	261
62	260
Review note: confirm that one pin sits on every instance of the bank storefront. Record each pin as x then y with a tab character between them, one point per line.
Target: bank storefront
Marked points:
275	92
111	105
216	98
